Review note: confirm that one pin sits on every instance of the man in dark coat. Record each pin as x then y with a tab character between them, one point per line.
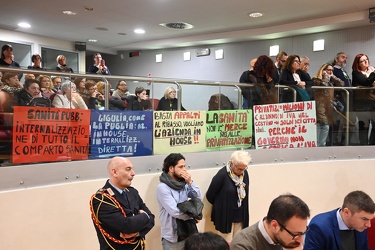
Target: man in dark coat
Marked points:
120	216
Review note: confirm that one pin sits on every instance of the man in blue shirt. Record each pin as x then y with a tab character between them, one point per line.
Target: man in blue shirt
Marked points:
176	186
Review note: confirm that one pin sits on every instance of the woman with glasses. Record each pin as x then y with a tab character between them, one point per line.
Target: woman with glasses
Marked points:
293	76
121	91
169	101
229	195
363	75
324	100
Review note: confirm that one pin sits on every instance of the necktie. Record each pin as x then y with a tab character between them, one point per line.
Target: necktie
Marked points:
126	198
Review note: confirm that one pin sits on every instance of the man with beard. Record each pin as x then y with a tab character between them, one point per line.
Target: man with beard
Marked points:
283	227
339	64
176	186
342	228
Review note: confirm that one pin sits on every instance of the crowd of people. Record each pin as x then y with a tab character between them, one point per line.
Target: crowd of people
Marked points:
292	71
122	219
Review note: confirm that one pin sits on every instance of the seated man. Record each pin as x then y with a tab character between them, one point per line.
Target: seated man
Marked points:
342	228
283	227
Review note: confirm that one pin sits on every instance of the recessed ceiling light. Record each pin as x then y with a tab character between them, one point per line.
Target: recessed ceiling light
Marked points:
139	31
70	13
24	25
178	25
92	40
255	14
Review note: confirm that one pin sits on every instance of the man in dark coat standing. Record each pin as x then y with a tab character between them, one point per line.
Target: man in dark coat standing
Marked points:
120	216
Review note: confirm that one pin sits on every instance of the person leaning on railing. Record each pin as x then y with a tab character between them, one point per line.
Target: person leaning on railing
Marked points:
363	75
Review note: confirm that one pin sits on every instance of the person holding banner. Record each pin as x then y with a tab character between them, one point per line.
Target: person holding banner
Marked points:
229	195
121	218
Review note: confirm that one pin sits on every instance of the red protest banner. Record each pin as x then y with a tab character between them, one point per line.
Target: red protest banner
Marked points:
43	134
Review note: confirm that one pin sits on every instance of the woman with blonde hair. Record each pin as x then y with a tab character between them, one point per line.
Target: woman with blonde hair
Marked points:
169	101
45	84
324	99
61	64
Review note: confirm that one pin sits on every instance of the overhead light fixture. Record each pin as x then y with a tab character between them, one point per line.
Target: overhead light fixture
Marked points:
187	56
159	58
256	14
92	40
219	54
202	52
139	31
24	25
274	50
318	45
69	13
177	25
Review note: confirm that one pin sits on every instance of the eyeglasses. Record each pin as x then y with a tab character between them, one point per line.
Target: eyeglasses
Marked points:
239	169
93	89
294	236
328	69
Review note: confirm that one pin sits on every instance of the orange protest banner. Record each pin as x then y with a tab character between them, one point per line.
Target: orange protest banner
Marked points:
43	134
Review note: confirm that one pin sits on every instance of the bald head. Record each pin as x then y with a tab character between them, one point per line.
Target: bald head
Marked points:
121	172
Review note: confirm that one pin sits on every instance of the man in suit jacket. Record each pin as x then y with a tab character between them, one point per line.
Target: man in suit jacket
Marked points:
343	228
120	216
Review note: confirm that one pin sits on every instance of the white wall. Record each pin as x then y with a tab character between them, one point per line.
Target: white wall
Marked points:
58	217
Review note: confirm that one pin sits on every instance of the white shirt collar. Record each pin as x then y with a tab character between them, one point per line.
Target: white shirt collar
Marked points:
263	231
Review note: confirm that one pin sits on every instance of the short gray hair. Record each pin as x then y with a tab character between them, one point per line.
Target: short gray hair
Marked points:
240	157
66	85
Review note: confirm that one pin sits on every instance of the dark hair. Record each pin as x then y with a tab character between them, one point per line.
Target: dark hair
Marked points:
139	90
289	62
285	207
206	241
95	55
358	201
5	47
34	56
171	160
355	66
30	81
264	67
119	83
